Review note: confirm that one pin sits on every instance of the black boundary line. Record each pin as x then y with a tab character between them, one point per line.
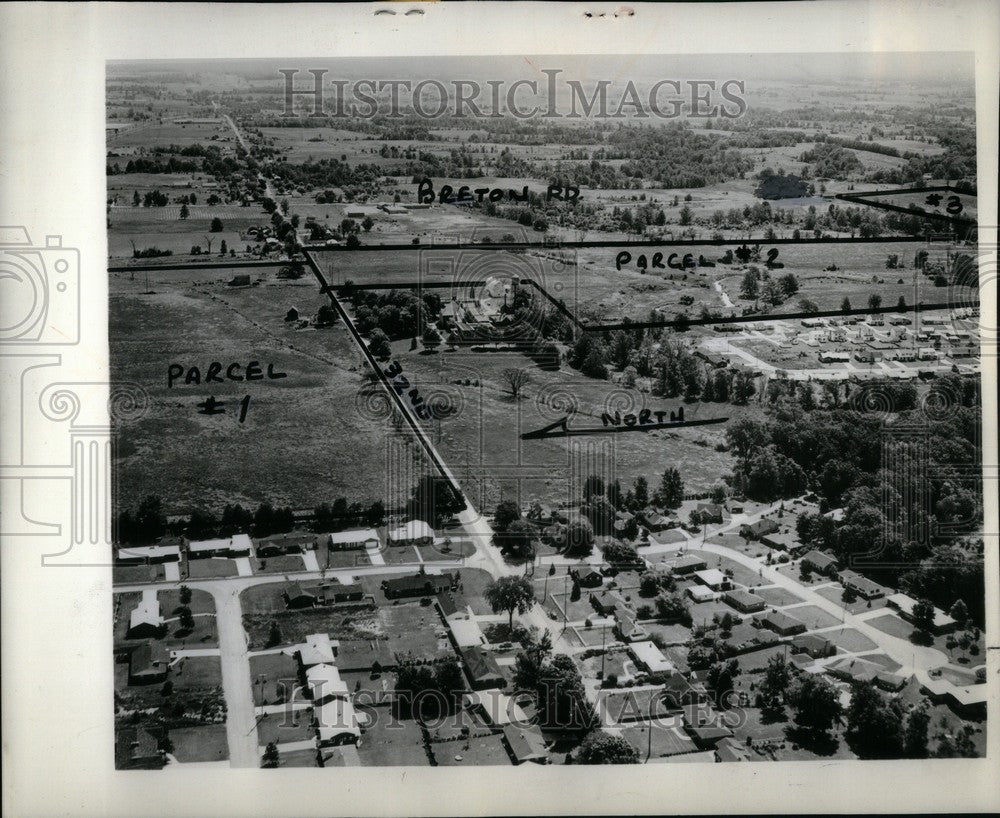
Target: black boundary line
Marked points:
867	198
393	395
194	265
551	430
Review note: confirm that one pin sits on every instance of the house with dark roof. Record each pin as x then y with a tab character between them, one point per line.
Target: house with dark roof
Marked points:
710	513
627	626
729	750
858	669
781	623
148	664
452	605
525	743
761	528
137	749
744	601
814	645
605	602
820	562
587	577
655	521
688	563
679	692
418	585
298	596
482	669
280	544
705	727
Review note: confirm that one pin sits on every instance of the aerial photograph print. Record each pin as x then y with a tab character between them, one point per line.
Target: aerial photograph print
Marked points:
545	409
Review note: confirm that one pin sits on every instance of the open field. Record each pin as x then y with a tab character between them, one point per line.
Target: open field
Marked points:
207	743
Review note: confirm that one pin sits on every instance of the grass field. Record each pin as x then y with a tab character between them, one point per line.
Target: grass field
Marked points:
207	743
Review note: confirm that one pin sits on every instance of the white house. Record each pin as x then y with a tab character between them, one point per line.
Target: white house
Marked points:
142	554
325	684
713	578
145	620
239	545
415	532
318	649
355	538
650	658
496	706
466	633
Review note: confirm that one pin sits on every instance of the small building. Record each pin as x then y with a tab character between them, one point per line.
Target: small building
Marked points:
324	684
239	545
606	602
730	750
626	625
781	623
418	585
710	513
298	596
834	357
927	354
466	633
482	669
318	649
761	528
495	707
655	521
706	733
649	657
148	664
148	554
587	577
701	593
525	744
137	749
336	722
820	562
713	578
679	692
452	605
415	532
282	544
813	645
688	563
242	280
745	601
292	314
337	592
353	539
857	669
862	586
784	541
905	604
144	621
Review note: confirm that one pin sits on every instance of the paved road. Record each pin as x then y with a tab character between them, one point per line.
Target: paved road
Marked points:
241	724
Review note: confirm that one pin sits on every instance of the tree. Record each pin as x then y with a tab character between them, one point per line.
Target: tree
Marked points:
216	225
845	305
718	495
923	616
579	538
874	301
816	704
603	748
379	345
431	338
510	594
721	679
960	613
515	379
519	540
269	761
434	499
352	242
671	491
136	199
777	678
186	618
622	556
649	584
915	744
184	211
789	284
673	608
874	725
748	286
367	224
640	493
273	635
506	513
326	316
185	595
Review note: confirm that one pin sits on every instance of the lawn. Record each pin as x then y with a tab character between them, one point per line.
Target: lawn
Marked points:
194	672
892	625
273	678
283	564
812	616
211	568
137	574
303	758
485	750
390	742
206	743
267	597
776	596
296	625
666	739
455	551
285	727
835	593
849	640
416	630
204	635
345	559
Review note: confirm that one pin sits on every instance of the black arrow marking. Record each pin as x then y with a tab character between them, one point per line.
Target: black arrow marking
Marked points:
560	429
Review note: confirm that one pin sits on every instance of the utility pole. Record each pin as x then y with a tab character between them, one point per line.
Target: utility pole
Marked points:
604	630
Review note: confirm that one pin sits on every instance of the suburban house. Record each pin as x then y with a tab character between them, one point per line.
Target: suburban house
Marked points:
781	623
147	664
679	692
587	577
705	727
700	593
626	626
649	657
761	528
340	592
783	541
318	649
336	722
415	532
729	750
482	669
710	513
148	554
145	621
655	521
137	749
525	744
466	633
279	544
687	563
904	604
713	578
324	684
495	707
831	356
298	596
745	601
862	586
814	645
820	562
355	538
239	545
452	605
418	585
606	602
857	669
